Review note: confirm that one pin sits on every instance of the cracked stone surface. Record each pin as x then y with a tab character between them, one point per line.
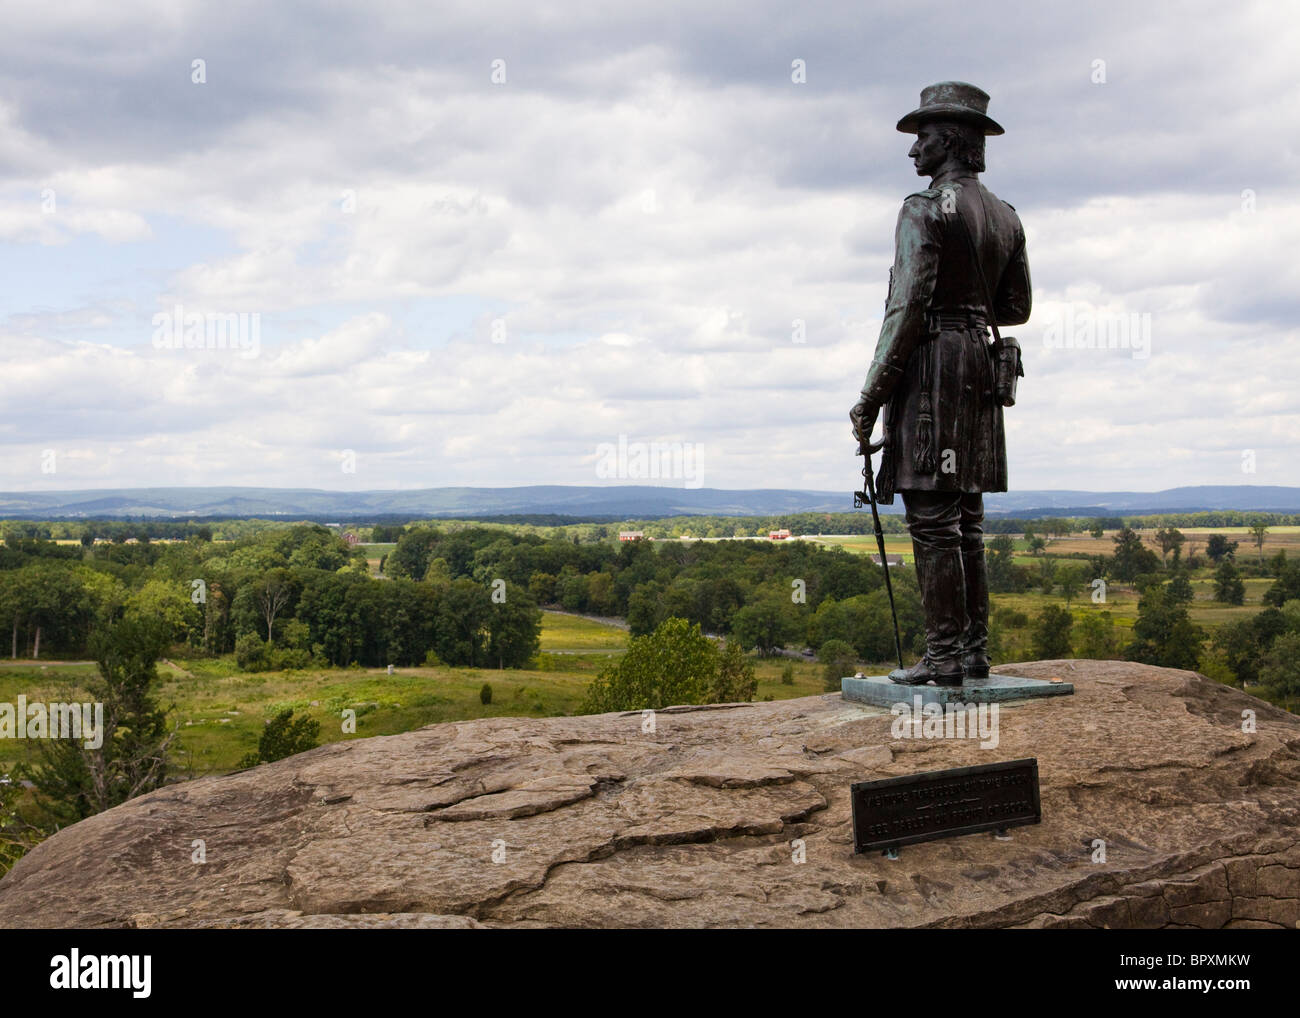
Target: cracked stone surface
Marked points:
590	821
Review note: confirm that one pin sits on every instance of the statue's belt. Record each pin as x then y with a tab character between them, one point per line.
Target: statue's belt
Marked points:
943	321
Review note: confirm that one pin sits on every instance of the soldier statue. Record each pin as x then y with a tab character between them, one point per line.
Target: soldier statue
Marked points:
940	382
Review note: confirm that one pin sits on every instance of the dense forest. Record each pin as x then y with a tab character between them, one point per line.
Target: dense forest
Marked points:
284	598
301	595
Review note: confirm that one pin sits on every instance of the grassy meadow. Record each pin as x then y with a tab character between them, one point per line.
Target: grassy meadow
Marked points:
221	710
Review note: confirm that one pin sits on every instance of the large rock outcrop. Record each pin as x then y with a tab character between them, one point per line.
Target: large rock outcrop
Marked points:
590	821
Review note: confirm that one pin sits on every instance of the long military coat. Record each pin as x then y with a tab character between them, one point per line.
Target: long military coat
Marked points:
956	442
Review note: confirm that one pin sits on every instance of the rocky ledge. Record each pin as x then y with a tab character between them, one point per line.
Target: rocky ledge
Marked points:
592	821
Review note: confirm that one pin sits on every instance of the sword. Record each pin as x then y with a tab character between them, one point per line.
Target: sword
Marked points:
866	448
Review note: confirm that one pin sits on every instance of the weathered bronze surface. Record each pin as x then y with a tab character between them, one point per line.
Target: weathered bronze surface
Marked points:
944	804
933	372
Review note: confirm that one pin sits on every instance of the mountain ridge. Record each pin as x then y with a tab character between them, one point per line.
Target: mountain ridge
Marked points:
612	501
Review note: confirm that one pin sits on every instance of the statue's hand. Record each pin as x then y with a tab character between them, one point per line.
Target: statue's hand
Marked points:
863	418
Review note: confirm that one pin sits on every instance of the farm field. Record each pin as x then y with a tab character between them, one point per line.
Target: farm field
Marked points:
1275	540
564	633
1120	600
375	554
221	710
865	544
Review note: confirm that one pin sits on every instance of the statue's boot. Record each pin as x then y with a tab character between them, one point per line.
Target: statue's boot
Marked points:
975	645
943	596
926	670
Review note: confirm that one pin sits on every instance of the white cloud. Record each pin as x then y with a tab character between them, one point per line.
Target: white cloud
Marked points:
647	205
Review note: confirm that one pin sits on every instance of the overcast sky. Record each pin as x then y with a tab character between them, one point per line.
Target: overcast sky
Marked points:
466	281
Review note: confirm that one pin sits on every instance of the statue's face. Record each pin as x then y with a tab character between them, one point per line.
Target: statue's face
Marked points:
928	152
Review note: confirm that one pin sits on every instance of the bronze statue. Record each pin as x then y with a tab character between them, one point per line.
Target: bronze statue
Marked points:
939	380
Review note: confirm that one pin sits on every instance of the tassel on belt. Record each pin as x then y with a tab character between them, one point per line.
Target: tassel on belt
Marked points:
939	321
923	451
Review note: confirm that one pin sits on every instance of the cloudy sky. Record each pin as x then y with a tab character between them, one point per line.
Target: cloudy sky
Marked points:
472	243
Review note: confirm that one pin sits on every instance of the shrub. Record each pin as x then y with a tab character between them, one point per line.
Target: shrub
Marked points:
485	694
283	736
1009	618
734	681
296	634
1097	637
676	664
293	657
252	653
1052	633
1179	588
1280	669
787	674
73	782
839	659
1214	665
17	835
1164	634
1228	586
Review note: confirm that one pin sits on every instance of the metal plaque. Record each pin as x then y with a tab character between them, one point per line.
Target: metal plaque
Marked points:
892	812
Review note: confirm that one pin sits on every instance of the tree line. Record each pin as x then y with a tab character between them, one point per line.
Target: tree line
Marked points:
283	598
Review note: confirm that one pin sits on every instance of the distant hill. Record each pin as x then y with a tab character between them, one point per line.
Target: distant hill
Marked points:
608	502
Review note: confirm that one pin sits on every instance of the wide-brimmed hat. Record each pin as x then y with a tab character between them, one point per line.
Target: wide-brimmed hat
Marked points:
951	100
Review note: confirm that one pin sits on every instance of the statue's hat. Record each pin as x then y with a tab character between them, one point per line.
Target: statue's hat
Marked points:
951	100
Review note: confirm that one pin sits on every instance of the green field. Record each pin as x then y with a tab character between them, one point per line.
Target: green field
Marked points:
562	632
865	544
221	710
374	553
